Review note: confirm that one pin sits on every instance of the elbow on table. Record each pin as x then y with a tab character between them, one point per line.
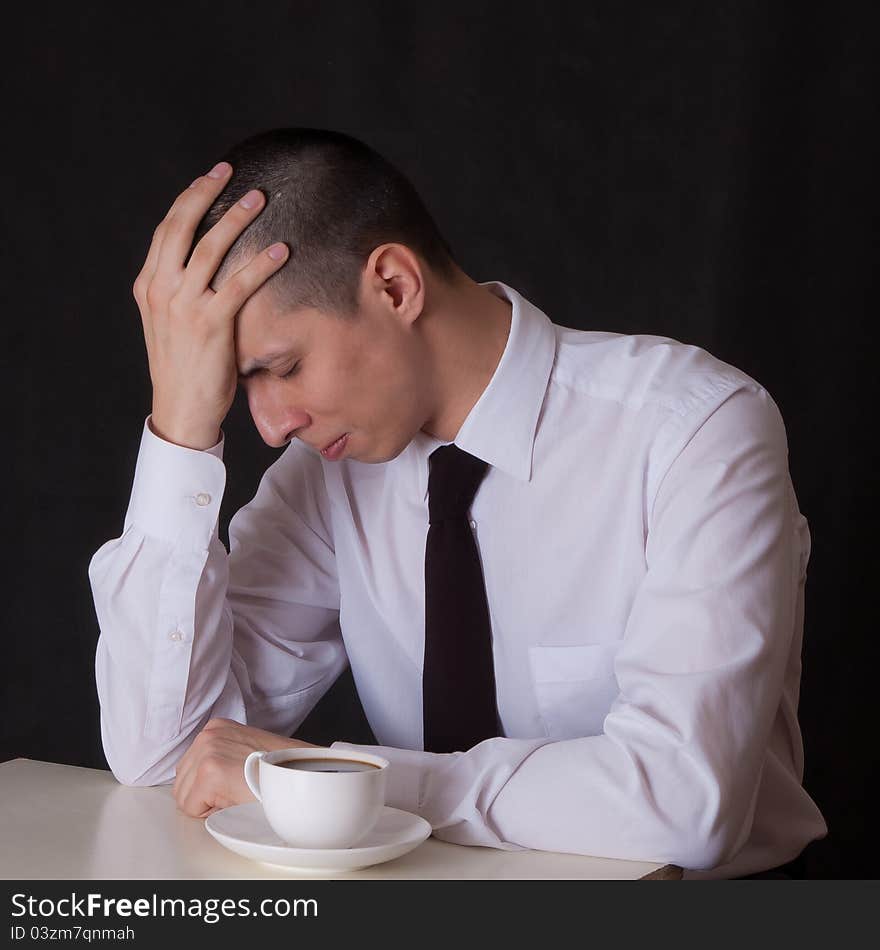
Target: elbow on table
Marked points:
136	774
698	852
135	765
703	819
706	842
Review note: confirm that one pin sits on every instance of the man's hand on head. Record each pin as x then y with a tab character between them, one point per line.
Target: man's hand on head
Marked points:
210	775
189	329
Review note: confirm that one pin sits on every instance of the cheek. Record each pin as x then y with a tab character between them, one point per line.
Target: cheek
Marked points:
377	381
365	379
393	388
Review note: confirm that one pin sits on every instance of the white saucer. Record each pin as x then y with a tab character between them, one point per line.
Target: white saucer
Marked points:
244	830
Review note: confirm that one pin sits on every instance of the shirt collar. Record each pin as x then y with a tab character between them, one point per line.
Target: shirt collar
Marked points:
500	428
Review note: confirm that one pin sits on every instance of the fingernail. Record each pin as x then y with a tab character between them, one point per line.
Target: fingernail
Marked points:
219	170
250	199
277	251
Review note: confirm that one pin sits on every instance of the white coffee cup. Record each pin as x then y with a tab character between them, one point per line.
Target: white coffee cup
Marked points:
318	809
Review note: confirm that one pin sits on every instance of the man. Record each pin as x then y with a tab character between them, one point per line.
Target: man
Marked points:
593	647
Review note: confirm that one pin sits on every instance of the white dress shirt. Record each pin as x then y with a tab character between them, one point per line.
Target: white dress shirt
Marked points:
644	559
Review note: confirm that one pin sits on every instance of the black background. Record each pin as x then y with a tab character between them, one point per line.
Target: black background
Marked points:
703	171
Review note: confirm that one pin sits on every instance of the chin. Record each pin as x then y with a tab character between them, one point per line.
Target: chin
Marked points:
383	455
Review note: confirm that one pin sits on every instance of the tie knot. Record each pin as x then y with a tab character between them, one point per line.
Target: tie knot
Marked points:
453	479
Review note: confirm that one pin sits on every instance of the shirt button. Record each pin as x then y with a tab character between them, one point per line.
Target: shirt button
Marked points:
473	525
202	499
175	635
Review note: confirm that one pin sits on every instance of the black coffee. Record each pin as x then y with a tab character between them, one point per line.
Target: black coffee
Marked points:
327	765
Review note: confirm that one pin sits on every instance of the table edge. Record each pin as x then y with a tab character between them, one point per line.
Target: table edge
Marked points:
669	872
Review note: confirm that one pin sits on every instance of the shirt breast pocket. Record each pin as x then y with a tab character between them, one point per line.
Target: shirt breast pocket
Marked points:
574	686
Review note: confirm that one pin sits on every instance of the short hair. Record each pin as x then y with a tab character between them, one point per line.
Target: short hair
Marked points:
332	199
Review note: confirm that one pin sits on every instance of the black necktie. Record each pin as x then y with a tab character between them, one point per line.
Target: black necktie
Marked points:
458	679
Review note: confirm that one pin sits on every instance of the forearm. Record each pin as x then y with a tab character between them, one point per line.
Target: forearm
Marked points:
163	656
641	801
162	662
189	633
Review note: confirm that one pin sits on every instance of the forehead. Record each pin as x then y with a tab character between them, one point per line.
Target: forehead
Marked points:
263	324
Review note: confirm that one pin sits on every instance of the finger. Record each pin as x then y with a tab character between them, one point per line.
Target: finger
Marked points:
142	281
206	781
185	773
179	226
212	248
217	786
248	279
196	791
211	182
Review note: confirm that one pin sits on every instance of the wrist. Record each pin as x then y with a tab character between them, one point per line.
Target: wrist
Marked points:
200	438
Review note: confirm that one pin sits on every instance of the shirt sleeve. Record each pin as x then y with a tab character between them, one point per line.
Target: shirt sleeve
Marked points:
188	632
674	776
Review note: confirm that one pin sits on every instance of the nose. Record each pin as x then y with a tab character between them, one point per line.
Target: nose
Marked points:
276	422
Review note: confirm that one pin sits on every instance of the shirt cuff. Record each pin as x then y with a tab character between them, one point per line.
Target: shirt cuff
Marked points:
406	773
177	491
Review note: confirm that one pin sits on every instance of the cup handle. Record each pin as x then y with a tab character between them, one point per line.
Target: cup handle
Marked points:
252	773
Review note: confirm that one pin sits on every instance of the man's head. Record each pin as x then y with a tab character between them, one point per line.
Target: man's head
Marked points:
344	337
332	200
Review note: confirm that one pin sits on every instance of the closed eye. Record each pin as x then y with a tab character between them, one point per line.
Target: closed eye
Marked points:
292	370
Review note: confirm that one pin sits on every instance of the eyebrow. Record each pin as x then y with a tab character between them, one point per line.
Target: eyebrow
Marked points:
261	363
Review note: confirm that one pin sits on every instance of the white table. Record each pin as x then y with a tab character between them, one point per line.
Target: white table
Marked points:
70	823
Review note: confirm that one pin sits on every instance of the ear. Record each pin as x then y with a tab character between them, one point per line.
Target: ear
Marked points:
394	280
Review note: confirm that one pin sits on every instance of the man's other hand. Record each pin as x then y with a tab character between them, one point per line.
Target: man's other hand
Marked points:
210	775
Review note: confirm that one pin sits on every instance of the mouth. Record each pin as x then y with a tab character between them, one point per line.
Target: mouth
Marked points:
335	448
